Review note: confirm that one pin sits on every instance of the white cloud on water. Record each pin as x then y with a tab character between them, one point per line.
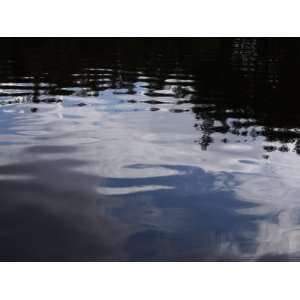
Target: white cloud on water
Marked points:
113	141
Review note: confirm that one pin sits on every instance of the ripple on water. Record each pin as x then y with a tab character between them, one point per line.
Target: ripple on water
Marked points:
140	152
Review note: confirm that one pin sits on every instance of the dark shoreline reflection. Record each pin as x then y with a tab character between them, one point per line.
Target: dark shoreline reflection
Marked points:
149	149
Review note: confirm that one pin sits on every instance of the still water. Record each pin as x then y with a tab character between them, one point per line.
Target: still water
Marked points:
149	149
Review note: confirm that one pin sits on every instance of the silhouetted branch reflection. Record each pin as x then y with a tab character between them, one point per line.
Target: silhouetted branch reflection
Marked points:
246	84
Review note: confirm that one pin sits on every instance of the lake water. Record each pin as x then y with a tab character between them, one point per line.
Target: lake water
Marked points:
149	149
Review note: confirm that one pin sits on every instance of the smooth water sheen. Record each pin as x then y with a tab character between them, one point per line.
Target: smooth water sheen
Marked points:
149	149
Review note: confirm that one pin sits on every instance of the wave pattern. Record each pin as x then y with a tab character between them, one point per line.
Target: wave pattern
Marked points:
149	149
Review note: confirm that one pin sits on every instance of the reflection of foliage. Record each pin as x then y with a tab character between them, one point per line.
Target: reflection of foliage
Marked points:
246	130
268	107
244	87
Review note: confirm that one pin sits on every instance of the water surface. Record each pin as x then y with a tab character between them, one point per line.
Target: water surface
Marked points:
149	149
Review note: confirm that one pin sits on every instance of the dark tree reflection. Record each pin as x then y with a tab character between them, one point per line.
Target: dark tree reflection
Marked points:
246	87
